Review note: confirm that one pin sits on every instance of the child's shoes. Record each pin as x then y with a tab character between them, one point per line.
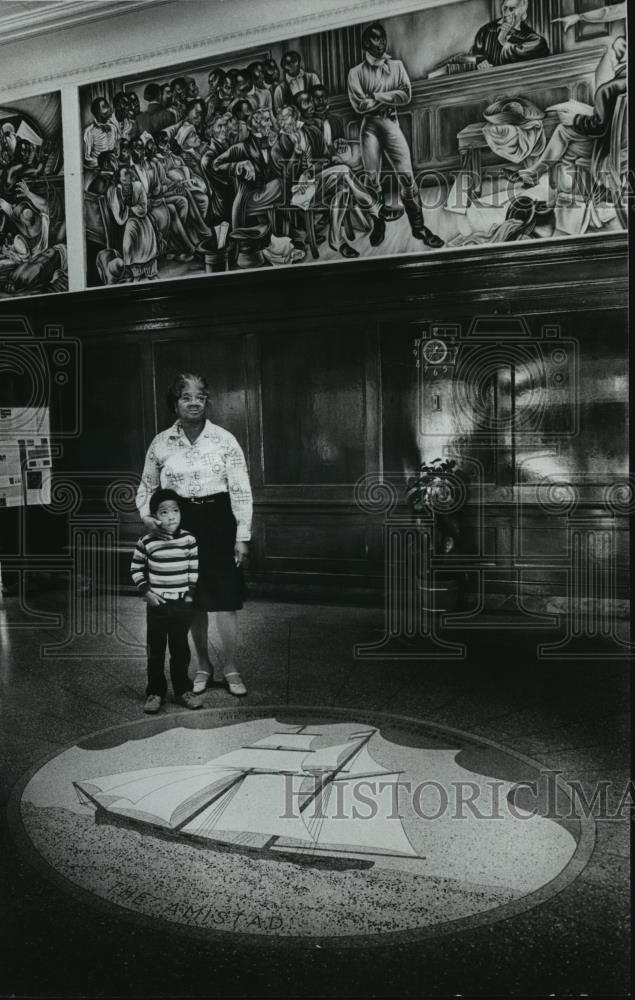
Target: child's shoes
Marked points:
153	704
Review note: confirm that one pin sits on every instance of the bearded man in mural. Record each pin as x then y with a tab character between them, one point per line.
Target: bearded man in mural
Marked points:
250	163
376	88
509	39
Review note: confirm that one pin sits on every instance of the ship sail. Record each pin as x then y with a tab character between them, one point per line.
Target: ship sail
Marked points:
328	758
288	741
277	791
260	804
356	815
362	763
254	758
162	798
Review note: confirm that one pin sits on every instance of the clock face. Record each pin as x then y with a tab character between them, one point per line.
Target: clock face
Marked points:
434	352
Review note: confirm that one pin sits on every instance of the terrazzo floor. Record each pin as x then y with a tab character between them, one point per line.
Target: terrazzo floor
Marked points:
570	717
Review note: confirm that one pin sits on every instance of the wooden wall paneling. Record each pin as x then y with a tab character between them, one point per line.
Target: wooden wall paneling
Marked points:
219	356
313	405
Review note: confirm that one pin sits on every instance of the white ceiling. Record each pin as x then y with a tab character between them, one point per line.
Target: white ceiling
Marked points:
21	18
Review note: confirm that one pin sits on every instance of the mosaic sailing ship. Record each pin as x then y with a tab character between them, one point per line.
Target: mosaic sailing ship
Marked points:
276	798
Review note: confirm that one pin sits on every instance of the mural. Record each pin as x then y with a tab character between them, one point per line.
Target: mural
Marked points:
364	141
32	214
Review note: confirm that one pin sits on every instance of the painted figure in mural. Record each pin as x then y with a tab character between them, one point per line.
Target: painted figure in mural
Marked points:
183	226
189	134
332	127
295	79
250	163
225	93
133	104
158	113
128	203
36	273
215	78
107	165
124	154
220	186
178	88
101	134
191	88
28	164
124	124
305	162
30	217
9	139
242	84
509	39
260	94
242	111
601	15
376	88
271	72
178	183
576	135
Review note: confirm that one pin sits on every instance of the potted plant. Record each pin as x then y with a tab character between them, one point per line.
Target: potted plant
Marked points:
432	491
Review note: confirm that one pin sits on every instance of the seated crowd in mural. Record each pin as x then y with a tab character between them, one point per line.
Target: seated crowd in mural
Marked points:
32	226
259	170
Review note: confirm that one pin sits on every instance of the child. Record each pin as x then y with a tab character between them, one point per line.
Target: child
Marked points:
165	570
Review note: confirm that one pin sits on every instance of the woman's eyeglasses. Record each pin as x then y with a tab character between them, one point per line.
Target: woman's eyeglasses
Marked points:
192	399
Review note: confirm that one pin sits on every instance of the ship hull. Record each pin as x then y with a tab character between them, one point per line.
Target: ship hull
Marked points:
302	860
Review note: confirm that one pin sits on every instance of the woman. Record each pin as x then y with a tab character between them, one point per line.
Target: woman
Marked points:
129	207
205	465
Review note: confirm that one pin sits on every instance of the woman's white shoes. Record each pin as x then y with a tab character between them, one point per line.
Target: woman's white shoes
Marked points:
201	679
235	684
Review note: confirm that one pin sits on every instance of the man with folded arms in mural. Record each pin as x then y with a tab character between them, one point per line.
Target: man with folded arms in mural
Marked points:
376	88
509	39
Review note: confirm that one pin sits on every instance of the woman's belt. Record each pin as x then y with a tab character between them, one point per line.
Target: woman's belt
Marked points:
208	499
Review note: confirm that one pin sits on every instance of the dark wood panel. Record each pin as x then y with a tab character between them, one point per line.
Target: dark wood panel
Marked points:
313	405
111	418
320	538
221	360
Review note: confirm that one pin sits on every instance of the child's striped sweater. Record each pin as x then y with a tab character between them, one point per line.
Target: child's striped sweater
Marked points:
165	564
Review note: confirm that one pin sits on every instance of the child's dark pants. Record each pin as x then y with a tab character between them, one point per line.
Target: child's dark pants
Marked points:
169	624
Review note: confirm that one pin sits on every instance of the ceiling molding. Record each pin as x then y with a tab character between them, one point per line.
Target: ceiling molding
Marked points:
24	23
188	50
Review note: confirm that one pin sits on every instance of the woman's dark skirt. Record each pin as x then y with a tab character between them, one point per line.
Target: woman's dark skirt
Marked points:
220	584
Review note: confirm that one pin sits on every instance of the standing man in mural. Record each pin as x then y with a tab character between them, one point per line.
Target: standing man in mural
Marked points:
509	39
376	88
